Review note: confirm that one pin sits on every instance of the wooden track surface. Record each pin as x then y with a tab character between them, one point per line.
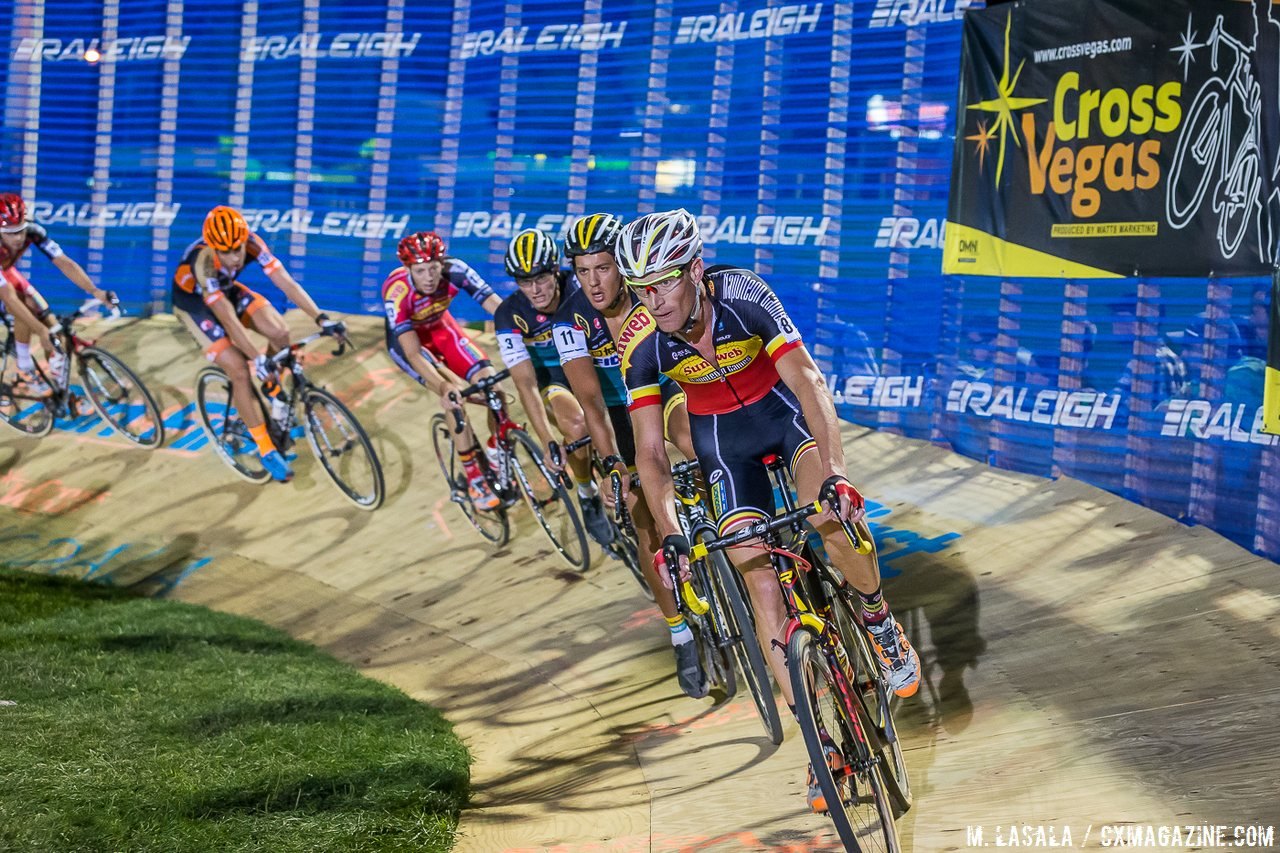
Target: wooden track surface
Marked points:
1089	663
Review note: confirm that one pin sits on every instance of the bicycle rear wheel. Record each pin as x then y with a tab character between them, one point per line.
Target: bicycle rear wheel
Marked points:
343	448
855	794
120	398
222	424
29	415
549	501
625	549
491	524
744	645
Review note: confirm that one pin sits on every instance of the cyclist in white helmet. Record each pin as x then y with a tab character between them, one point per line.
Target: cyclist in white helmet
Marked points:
752	389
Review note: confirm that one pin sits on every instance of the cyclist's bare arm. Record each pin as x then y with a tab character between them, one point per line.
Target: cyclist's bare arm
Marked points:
79	277
226	315
801	375
585	383
293	291
654	467
433	376
22	314
491	304
526	380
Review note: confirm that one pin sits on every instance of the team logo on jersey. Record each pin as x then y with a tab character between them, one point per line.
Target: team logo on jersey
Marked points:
397	291
718	501
524	327
541	318
716	475
597	324
638	323
581	323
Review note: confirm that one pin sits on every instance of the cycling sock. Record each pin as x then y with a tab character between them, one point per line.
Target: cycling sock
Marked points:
262	438
469	463
680	633
23	352
874	608
586	488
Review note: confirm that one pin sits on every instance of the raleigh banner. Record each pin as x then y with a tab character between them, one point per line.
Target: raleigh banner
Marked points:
1107	138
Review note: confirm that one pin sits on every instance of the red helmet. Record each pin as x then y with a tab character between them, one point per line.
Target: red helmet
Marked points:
420	248
13	211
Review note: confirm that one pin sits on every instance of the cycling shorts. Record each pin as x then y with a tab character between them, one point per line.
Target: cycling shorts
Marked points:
204	326
730	447
446	343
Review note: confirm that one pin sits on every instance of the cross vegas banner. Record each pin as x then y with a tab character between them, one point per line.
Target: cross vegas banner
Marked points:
1107	138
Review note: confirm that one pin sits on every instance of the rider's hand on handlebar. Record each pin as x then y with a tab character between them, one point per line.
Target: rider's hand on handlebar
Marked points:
332	328
614	463
263	368
677	546
842	501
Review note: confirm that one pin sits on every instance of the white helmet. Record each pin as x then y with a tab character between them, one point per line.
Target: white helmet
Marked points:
657	242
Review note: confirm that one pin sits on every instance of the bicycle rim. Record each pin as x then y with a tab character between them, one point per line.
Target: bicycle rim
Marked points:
343	448
492	525
120	398
549	501
28	415
745	645
856	799
224	428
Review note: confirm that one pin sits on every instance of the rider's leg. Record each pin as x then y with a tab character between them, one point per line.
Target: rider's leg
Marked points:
647	537
261	316
862	571
236	366
567	415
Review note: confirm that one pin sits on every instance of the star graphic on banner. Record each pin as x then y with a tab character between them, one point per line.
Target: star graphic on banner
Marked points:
983	143
1004	104
1187	49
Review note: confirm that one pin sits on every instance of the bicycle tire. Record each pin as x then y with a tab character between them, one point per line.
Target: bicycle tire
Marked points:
820	711
1203	116
625	548
147	433
541	489
225	430
745	649
353	444
492	525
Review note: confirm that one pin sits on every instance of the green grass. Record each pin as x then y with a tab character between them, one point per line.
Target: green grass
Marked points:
146	725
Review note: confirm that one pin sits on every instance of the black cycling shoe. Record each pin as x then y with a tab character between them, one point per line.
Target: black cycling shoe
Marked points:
693	681
593	517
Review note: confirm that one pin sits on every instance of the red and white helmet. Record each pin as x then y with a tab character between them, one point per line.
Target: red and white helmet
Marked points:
13	211
420	248
657	242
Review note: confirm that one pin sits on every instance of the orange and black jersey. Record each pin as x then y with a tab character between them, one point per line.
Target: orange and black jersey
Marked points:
34	235
201	273
751	332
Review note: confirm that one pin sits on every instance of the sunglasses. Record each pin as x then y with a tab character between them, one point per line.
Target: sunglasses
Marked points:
664	283
17	229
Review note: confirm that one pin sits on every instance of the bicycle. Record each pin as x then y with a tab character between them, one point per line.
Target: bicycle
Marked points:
335	436
726	629
841	696
114	392
515	469
623	545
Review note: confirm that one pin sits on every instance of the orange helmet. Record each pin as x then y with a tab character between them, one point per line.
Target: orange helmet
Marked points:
225	229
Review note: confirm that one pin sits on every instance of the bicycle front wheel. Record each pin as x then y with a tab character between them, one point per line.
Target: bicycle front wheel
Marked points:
491	524
120	398
224	428
549	501
343	448
744	646
871	690
849	777
27	414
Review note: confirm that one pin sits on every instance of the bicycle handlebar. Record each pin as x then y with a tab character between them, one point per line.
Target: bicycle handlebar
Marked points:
483	385
285	354
758	530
